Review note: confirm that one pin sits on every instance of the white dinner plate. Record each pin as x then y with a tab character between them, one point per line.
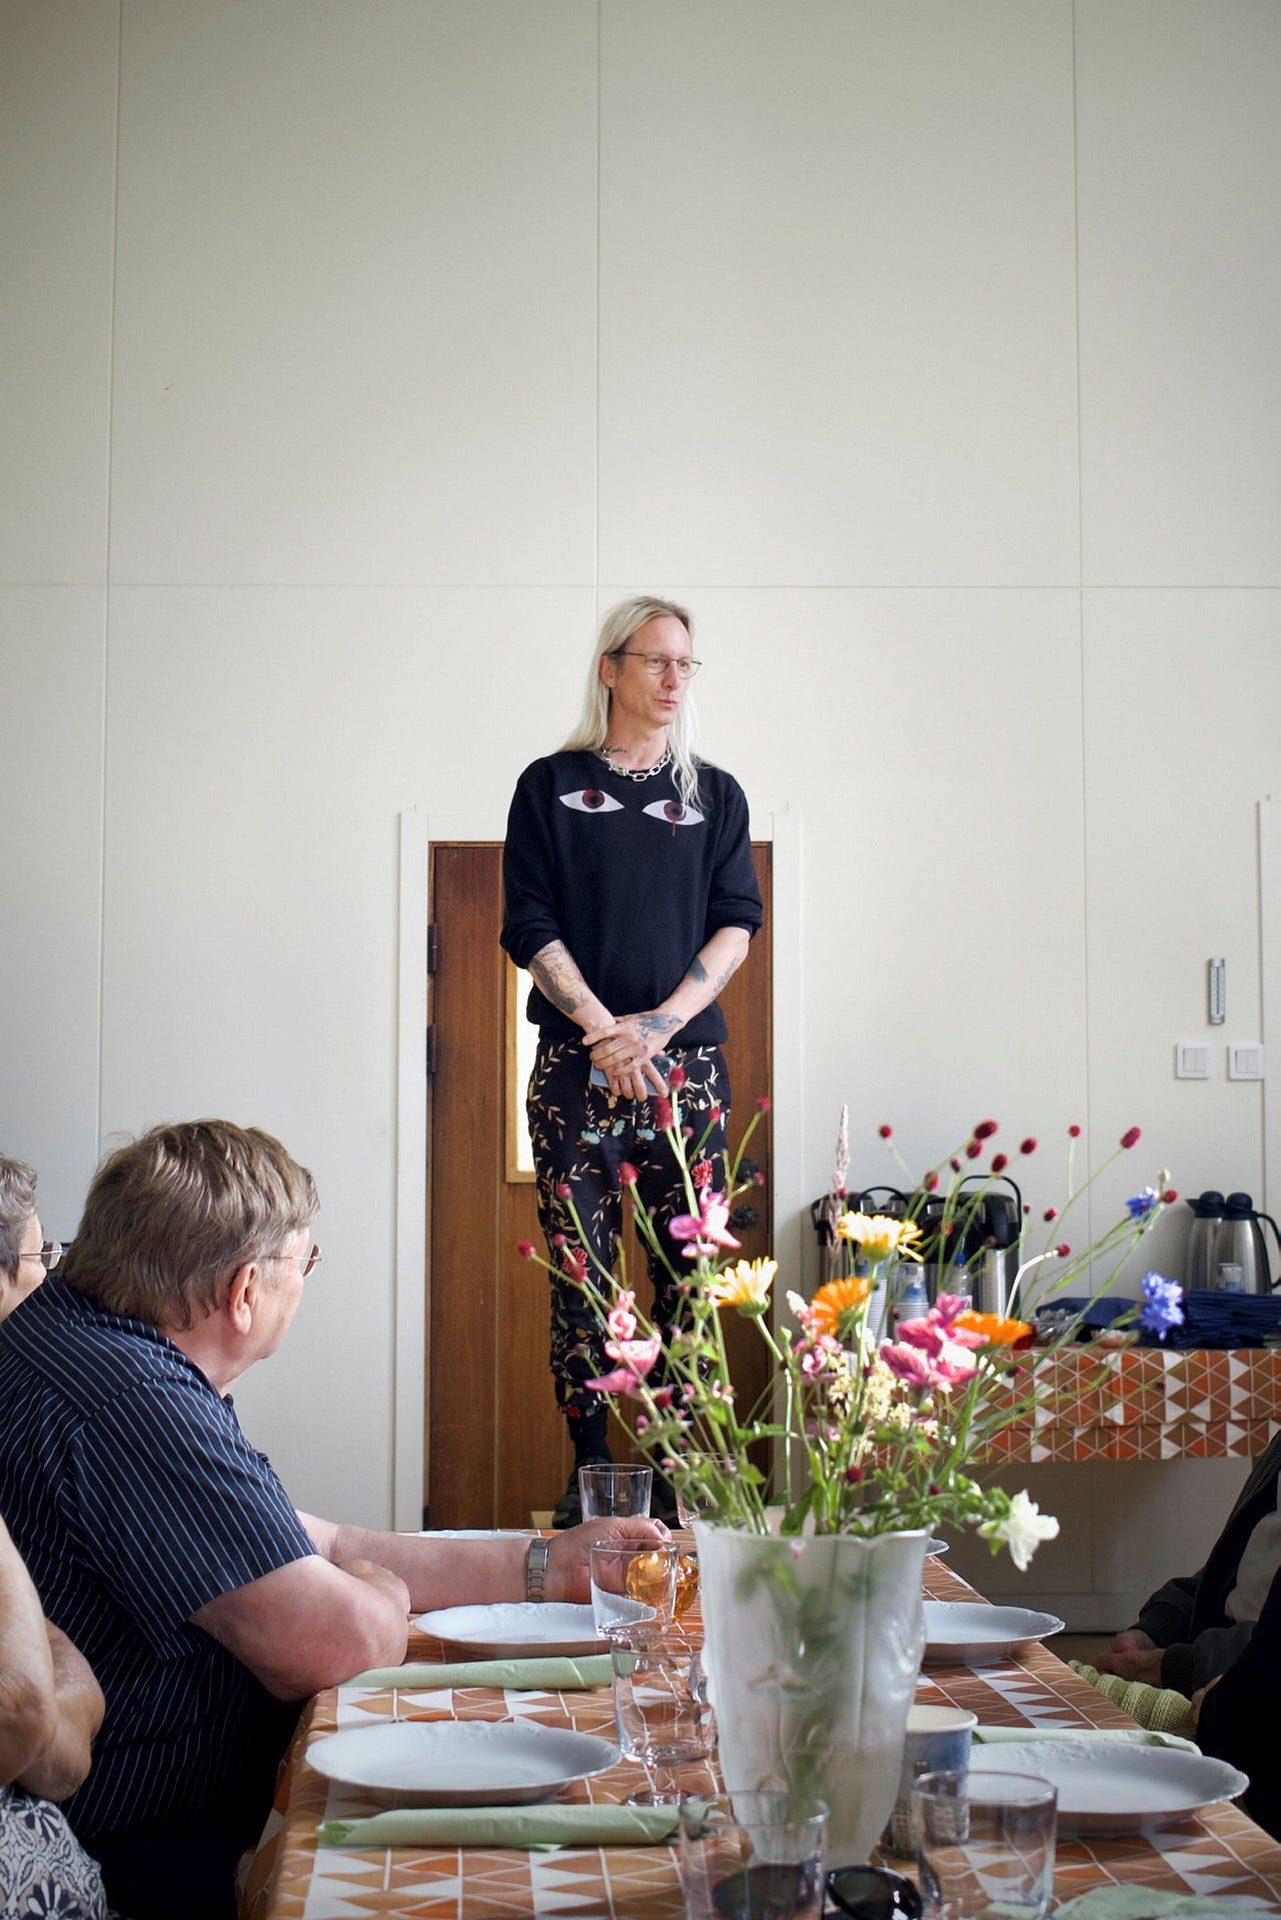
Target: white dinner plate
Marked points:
1115	1786
460	1763
936	1546
969	1633
512	1628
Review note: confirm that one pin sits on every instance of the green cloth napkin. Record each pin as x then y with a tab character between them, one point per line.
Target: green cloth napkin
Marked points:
552	1674
1160	1709
1134	1736
1154	1903
543	1826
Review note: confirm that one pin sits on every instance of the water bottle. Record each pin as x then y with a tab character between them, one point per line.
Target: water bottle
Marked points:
912	1293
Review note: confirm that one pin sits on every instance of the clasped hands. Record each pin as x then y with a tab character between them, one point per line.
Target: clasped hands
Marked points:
1133	1655
624	1051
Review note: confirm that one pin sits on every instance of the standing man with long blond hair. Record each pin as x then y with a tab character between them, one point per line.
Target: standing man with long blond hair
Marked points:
631	898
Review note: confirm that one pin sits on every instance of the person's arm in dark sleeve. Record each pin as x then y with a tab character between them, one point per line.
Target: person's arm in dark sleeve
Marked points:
1237	1716
1190	1664
734	899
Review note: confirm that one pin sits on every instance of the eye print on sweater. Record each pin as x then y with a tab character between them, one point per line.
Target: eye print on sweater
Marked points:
674	813
590	800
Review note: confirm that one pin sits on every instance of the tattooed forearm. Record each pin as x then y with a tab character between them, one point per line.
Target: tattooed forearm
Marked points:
656	1026
558	979
696	971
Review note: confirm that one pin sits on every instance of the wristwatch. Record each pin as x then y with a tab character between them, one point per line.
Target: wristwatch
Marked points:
536	1568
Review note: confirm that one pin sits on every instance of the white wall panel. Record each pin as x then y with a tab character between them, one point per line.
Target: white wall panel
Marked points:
262	744
51	644
1179	116
1182	693
837	322
57	163
355	336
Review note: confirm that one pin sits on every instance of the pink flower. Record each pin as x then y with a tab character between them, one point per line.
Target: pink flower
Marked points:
709	1231
525	1250
636	1355
763	1105
663	1114
701	1173
626	1174
621	1321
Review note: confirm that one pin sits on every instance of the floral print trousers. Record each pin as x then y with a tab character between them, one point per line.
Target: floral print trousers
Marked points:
580	1139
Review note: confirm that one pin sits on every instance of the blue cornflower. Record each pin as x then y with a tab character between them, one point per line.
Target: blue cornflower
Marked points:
1162	1305
1142	1203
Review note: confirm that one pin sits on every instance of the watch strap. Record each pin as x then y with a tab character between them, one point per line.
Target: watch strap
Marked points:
536	1567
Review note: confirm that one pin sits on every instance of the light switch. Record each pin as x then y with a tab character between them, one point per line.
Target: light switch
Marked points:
1191	1061
1245	1063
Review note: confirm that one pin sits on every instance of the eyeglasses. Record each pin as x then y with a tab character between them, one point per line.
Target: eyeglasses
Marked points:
307	1261
658	663
48	1255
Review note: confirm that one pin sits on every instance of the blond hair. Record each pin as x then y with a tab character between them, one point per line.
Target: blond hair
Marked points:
17	1204
617	628
170	1217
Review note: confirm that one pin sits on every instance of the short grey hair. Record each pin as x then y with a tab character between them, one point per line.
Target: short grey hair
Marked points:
617	628
17	1204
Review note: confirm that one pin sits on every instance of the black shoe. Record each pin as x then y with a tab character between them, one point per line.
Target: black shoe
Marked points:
568	1510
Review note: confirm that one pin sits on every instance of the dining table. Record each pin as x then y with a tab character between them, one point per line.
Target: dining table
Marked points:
1215	1852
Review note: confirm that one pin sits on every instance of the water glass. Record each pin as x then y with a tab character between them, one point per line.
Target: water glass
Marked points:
753	1856
661	1711
633	1587
608	1492
985	1844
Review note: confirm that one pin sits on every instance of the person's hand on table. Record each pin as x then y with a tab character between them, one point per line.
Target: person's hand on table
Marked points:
624	1051
1133	1655
569	1561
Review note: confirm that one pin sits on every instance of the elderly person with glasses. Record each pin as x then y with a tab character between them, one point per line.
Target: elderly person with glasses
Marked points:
50	1703
25	1255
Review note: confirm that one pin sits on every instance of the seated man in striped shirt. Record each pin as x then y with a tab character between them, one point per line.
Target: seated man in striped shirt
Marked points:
165	1545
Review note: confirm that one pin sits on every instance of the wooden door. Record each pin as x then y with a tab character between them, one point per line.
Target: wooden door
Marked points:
495	1445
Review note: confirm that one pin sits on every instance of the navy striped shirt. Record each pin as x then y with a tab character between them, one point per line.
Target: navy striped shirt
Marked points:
135	1499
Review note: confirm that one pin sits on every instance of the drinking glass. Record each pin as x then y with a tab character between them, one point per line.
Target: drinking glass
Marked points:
633	1587
608	1491
753	1856
985	1845
661	1711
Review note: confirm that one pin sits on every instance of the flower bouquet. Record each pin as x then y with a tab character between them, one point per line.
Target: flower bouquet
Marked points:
814	1504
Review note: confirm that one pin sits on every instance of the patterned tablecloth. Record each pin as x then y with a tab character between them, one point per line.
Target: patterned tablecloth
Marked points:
1218	1852
1142	1403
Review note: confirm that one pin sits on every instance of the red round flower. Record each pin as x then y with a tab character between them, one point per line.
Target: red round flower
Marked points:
525	1250
1170	1195
676	1078
626	1174
930	1181
1028	1145
886	1132
985	1129
1131	1136
972	1149
763	1104
1063	1250
999	1162
1074	1132
1051	1213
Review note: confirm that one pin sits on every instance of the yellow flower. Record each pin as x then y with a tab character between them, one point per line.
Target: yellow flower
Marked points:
745	1286
834	1307
996	1330
879	1236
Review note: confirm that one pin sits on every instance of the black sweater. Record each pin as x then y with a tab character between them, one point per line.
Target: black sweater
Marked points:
631	882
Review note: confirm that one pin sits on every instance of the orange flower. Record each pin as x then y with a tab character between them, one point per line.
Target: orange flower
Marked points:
997	1331
835	1304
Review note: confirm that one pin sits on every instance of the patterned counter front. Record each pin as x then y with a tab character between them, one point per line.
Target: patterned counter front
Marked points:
1140	1403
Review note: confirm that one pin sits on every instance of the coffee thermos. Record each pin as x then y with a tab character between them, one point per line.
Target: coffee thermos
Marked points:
1226	1247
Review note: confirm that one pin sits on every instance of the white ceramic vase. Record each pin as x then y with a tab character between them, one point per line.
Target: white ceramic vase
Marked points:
812	1650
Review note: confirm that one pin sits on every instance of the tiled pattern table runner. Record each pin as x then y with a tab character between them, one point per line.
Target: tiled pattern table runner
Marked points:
292	1879
1142	1403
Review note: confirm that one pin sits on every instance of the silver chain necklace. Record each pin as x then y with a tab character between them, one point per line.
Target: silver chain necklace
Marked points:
637	773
